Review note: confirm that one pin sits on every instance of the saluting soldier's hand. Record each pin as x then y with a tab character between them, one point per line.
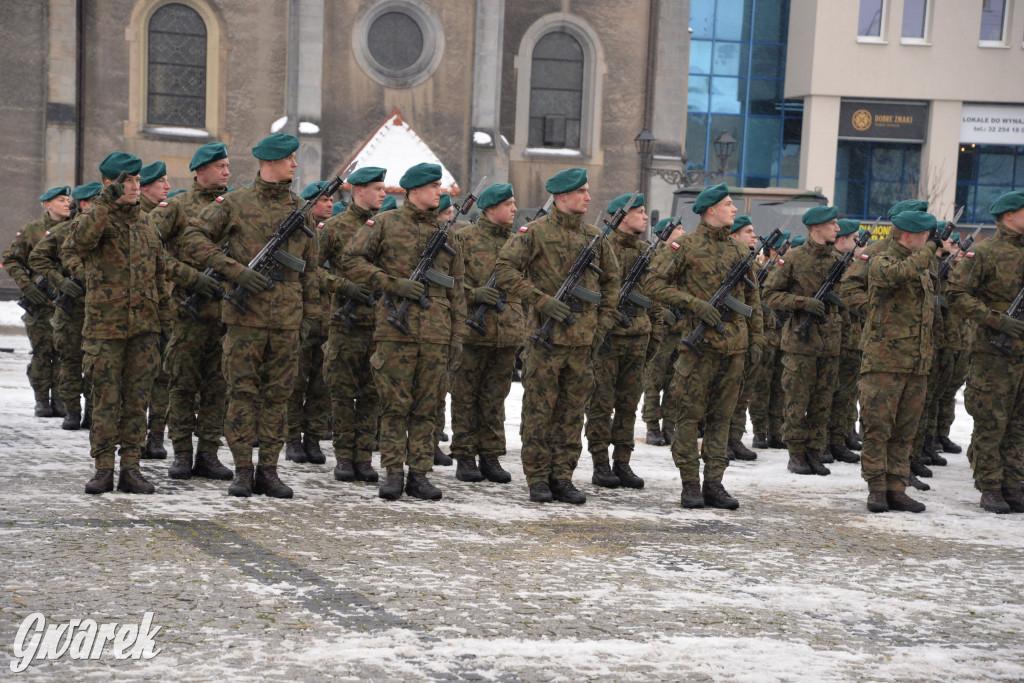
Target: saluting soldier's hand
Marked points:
206	286
708	313
1011	327
355	291
813	306
408	289
35	295
70	288
114	190
553	308
486	295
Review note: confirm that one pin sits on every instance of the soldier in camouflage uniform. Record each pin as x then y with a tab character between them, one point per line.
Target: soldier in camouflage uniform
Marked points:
981	288
261	345
407	368
192	356
43	370
532	266
67	319
445	211
686	276
125	310
897	352
310	404
766	412
958	346
347	371
618	370
743	232
484	377
811	365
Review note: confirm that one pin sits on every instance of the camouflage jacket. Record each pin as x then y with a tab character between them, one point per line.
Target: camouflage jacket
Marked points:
796	279
388	247
535	261
627	249
336	233
947	328
170	219
900	311
246	219
481	243
123	262
984	284
692	269
146	205
15	258
46	260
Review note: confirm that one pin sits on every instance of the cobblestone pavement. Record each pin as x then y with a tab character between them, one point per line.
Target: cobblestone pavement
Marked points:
800	582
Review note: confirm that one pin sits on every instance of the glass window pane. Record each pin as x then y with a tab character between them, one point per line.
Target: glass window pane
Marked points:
771	24
727	95
870	22
790	166
768	61
700	56
886	163
730	59
881	196
765	97
762	146
1018	178
995	166
696	140
913	18
702	19
176	69
731	18
734	126
992	17
698	98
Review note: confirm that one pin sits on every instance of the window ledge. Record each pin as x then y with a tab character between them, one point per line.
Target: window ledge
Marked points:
554	152
996	44
871	40
920	42
178	132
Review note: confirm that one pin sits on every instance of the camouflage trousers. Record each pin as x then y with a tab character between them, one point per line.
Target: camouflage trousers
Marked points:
122	372
354	401
767	411
751	373
943	363
658	402
843	418
479	387
707	389
258	361
67	342
618	383
159	397
556	387
193	363
890	407
809	382
43	368
309	407
945	401
994	397
407	376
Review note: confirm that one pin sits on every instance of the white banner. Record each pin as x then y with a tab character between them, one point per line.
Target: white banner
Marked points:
992	124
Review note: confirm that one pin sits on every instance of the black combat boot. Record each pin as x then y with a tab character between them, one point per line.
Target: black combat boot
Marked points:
365	472
242	484
565	491
798	464
72	421
760	440
933	448
466	470
57	406
443	437
540	492
775	441
877	502
392	487
992	500
947	445
492	470
740	451
692	496
919	469
715	496
1014	498
627	477
814	462
826	456
917	483
311	444
441	458
670	435
899	501
344	471
418	486
603	475
181	468
208	465
853	442
294	451
655	437
102	482
43	409
155	447
132	481
87	418
842	453
269	484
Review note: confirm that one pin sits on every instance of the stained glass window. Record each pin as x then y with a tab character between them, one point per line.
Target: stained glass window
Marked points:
177	68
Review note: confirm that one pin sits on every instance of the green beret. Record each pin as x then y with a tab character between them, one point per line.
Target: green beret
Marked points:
848	226
1011	201
741	221
819	214
620	201
153	172
338	208
710	196
420	175
313	189
797	241
366	175
208	153
55	192
87	191
445	202
663	223
117	163
907	205
566	181
388	204
955	238
276	146
786	237
494	194
172	193
914	221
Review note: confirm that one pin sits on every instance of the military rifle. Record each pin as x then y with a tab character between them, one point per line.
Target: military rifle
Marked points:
273	252
194	300
65	302
965	246
766	269
1002	341
424	272
571	290
43	285
478	321
345	314
723	300
825	293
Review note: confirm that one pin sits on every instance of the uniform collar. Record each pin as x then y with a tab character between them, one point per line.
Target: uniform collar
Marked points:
719	234
281	190
625	239
359	212
410	210
493	228
1008	235
820	249
569	221
207	193
899	248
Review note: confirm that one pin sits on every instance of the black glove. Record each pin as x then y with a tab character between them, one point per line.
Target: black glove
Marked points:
708	313
35	295
408	289
355	291
114	190
252	281
553	308
206	286
486	295
1011	327
70	288
813	306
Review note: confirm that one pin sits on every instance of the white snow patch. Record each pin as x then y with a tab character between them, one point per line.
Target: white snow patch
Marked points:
553	152
276	126
179	131
482	139
308	128
396	147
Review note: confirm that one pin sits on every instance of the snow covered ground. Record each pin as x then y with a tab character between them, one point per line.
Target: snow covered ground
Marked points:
800	583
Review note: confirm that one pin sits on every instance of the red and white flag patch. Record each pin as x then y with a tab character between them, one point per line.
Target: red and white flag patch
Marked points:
970	254
47	233
865	257
674	245
524	229
162	204
782	261
220	198
369	221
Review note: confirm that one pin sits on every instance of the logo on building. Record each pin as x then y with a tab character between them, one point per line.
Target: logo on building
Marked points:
861	119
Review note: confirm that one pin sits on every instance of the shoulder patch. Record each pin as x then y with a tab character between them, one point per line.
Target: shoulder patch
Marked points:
524	229
674	245
163	203
865	257
17	234
782	261
369	221
969	254
219	199
320	224
47	233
